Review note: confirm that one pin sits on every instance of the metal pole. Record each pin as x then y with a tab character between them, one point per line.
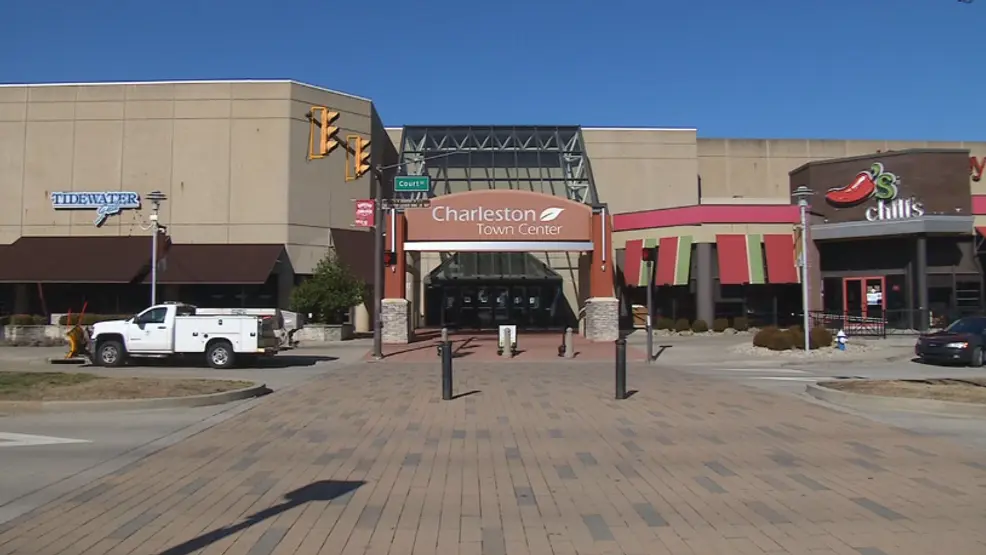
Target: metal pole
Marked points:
378	270
154	231
621	369
804	271
650	311
447	370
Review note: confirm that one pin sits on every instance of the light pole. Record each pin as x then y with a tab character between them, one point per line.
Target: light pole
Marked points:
156	198
802	194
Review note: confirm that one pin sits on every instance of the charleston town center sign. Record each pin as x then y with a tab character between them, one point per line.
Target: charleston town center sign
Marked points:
500	216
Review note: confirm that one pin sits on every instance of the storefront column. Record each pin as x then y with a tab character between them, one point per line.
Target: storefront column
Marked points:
704	284
395	319
921	280
602	308
22	301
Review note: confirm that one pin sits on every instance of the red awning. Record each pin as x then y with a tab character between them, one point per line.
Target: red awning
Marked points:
981	230
236	264
734	266
780	259
76	259
631	262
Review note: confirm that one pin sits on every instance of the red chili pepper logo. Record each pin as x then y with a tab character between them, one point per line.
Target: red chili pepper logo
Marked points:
859	191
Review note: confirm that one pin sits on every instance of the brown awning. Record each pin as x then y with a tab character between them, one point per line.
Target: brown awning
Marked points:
75	260
245	264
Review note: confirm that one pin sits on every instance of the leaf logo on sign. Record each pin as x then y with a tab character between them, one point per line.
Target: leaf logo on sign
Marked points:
550	214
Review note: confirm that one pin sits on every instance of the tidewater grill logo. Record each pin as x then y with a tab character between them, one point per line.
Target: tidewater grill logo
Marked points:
496	222
105	203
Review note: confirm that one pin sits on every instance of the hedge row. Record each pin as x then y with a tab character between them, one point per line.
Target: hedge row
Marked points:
87	319
701	326
777	339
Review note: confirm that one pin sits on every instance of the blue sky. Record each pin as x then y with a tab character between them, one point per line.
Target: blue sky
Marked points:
894	69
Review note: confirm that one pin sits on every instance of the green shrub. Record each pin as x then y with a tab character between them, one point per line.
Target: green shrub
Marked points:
700	326
27	320
719	325
781	340
88	319
763	338
741	323
820	337
663	323
682	324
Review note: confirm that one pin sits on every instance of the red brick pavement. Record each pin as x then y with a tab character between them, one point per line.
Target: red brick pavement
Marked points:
540	459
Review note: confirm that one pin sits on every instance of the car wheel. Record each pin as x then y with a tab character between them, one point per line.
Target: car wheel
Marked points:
977	357
111	354
220	355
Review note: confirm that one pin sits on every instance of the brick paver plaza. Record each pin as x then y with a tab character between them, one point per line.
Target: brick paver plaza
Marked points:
540	459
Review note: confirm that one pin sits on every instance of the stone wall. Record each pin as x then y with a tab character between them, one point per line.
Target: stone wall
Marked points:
602	319
396	321
317	333
35	335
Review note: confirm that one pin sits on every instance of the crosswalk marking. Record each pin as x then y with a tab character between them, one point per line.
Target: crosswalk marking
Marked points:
9	439
766	370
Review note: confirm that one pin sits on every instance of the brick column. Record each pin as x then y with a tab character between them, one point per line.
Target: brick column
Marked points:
602	308
396	315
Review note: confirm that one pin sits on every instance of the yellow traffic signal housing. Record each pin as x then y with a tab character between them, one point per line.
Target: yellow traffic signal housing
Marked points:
362	156
326	134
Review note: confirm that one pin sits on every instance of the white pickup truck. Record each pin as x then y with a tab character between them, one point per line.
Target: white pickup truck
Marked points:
175	330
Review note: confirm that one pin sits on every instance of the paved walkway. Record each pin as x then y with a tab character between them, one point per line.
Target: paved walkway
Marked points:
531	459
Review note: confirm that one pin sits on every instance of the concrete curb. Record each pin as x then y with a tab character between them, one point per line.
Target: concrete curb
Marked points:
255	390
863	401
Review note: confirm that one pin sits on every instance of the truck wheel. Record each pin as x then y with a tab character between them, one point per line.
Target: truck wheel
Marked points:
110	354
220	355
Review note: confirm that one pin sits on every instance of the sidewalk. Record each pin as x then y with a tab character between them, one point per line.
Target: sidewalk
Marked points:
530	459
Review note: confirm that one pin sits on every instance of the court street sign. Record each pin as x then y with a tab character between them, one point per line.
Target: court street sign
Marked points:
412	184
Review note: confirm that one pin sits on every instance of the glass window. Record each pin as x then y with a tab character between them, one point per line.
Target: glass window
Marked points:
968	325
154	316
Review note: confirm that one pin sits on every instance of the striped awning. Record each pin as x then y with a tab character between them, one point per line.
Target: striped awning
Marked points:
741	259
674	256
635	270
782	252
674	260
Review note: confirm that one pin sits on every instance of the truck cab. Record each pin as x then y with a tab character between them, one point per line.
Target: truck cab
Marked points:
175	329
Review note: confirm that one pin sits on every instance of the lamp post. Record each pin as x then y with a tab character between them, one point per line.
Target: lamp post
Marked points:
156	198
802	194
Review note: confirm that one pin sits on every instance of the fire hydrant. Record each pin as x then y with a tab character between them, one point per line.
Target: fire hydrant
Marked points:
840	339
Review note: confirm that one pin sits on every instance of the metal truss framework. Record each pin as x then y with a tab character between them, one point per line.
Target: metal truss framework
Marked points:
550	160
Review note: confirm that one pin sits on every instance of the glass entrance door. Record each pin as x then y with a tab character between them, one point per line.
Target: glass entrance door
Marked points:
864	296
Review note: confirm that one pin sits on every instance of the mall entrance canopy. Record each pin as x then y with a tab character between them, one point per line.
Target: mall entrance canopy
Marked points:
502	221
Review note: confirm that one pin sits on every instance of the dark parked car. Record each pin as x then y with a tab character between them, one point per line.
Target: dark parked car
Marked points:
964	341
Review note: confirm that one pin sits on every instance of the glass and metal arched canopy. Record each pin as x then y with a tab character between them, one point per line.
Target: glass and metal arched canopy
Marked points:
543	159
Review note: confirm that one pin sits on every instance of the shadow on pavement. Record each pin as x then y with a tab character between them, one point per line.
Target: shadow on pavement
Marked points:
325	490
277	361
466	394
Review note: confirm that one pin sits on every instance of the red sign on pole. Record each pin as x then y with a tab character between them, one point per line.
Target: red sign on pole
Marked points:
364	213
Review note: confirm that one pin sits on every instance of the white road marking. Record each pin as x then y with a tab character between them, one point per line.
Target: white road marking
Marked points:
790	378
766	370
8	439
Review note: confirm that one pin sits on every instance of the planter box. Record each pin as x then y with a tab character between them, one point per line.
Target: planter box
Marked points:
35	335
323	333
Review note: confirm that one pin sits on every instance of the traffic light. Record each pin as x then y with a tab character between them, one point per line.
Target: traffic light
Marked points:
648	254
362	157
326	133
389	258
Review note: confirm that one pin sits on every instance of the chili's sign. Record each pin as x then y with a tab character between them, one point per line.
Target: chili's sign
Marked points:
883	187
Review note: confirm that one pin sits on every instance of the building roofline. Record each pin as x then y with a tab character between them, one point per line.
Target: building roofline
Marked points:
183	82
598	128
884	154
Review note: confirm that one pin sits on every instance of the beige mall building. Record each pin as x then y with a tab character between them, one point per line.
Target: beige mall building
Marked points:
248	213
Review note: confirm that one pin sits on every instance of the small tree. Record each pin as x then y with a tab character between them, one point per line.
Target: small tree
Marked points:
329	293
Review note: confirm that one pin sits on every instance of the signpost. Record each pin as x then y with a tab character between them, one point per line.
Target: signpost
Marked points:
412	184
404	203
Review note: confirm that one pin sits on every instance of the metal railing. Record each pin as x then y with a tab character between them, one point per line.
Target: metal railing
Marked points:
851	325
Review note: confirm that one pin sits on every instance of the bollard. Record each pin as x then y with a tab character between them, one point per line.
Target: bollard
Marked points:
443	341
446	349
508	344
650	338
621	369
569	343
